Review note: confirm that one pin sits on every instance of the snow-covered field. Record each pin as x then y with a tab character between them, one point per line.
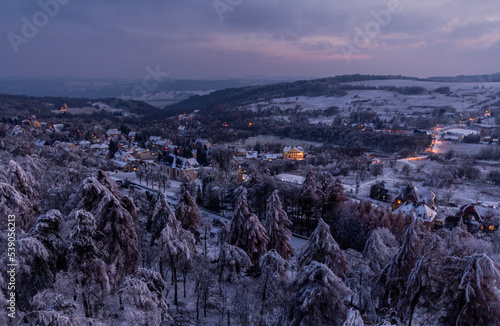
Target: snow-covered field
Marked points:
464	97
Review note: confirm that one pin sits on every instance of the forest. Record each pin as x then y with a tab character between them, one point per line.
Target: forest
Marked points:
91	252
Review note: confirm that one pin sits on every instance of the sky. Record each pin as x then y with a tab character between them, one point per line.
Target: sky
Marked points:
207	39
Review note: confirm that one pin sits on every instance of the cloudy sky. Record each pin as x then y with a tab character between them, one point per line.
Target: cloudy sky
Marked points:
242	38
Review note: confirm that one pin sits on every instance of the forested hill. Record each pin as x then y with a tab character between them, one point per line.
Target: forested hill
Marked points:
22	105
231	97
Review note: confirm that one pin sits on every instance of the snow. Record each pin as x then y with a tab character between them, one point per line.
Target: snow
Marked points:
297	179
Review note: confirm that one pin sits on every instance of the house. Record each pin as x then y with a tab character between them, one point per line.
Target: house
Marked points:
145	154
36	124
98	147
113	133
176	167
412	194
58	127
84	144
238	151
132	135
124	156
124	166
252	154
293	153
420	212
270	157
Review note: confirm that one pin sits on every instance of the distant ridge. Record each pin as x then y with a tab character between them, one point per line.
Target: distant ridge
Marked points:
468	79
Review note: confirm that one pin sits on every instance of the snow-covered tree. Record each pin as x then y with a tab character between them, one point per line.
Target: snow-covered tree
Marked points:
353	318
317	297
323	248
377	252
334	192
274	278
90	272
240	216
188	214
120	241
253	239
162	215
391	283
232	261
276	223
13	202
175	247
20	180
135	304
46	230
310	198
471	295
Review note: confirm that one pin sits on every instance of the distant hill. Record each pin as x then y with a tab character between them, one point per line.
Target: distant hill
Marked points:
13	105
232	97
468	79
332	86
101	88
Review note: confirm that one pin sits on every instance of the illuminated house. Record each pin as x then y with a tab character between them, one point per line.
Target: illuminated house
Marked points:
293	153
411	194
176	167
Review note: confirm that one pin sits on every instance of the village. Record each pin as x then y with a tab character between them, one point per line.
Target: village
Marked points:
157	160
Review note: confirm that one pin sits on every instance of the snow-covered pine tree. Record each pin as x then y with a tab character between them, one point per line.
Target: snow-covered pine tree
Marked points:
87	266
188	214
391	283
20	180
120	241
232	261
46	230
135	304
353	318
310	200
377	252
240	216
276	223
334	192
274	279
323	248
162	215
471	294
13	202
317	297
175	247
253	239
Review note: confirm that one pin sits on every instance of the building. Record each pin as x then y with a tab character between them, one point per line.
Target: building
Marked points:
420	212
240	151
176	167
412	194
252	154
293	153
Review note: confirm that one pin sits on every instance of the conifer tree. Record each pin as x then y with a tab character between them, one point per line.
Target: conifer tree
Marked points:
317	297
323	248
188	213
276	223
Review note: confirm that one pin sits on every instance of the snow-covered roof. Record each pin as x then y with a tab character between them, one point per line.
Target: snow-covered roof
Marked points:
252	154
289	148
113	132
419	211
